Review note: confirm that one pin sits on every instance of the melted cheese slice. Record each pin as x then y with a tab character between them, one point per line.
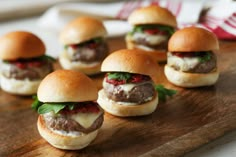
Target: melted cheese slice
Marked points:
185	63
86	119
151	39
127	87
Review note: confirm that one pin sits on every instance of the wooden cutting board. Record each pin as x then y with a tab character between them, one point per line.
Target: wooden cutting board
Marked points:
191	118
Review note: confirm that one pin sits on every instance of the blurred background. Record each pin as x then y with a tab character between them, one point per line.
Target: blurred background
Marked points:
45	18
10	9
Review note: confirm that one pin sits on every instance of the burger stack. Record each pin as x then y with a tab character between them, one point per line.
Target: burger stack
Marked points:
152	28
128	86
69	116
191	61
23	62
85	45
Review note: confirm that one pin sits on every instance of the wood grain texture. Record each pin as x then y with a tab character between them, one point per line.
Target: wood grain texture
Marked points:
191	118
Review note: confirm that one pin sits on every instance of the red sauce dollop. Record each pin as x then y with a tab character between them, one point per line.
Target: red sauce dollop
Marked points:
83	107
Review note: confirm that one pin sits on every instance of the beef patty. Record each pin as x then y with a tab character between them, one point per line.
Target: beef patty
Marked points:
183	63
88	53
138	93
32	70
65	123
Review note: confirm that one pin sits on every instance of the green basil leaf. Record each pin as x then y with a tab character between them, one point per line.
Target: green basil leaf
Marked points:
98	40
141	28
36	104
5	61
136	29
49	58
168	29
71	106
119	76
66	47
45	108
164	92
205	57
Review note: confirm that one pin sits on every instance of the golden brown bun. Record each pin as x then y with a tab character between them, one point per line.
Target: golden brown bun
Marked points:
157	55
152	15
116	109
88	69
19	87
64	141
82	29
132	61
189	80
20	44
192	39
67	86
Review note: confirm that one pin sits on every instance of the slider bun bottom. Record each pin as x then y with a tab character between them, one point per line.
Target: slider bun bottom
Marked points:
158	55
62	141
126	111
189	80
88	69
20	87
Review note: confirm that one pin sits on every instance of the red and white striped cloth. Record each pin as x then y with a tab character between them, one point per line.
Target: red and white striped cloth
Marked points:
224	27
220	17
129	6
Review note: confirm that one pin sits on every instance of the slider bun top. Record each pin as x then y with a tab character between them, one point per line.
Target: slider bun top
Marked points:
20	44
152	15
132	61
82	29
192	39
67	86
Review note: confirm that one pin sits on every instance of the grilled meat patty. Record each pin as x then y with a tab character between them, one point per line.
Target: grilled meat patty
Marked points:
131	92
89	52
192	63
66	123
32	70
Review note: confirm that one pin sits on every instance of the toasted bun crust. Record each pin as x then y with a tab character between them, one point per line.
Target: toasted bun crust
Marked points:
152	15
19	87
132	61
189	80
193	39
63	141
20	44
82	29
158	55
88	69
67	86
116	109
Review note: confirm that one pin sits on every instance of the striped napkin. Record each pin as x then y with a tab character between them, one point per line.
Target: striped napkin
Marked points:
218	16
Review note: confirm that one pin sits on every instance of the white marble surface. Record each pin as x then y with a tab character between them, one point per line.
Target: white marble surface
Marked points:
222	147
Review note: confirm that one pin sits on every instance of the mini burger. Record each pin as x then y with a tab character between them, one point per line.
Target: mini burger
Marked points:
69	116
191	61
23	62
152	28
128	86
85	46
